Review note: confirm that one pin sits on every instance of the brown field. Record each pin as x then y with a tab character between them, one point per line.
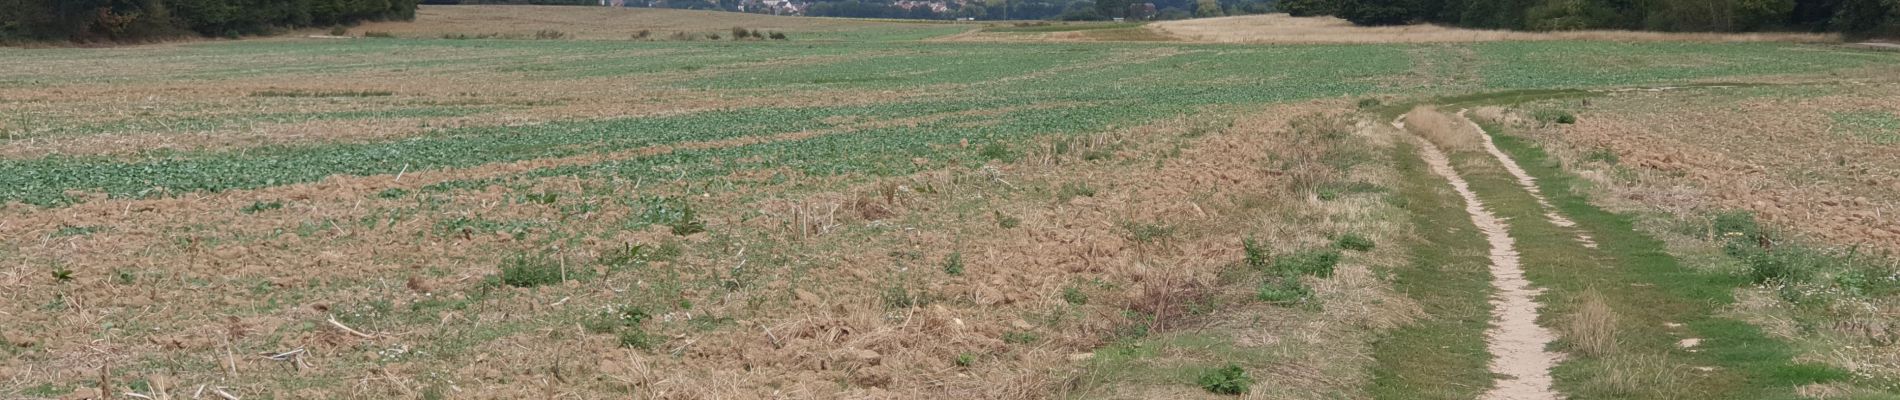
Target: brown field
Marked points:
1280	28
887	209
611	24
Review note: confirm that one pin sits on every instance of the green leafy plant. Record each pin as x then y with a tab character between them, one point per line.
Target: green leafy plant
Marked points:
62	274
953	264
1285	290
1229	380
1257	255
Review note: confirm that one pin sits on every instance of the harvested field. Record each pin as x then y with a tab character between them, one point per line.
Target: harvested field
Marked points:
879	209
1280	28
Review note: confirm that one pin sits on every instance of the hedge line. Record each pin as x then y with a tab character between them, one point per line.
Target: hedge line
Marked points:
139	20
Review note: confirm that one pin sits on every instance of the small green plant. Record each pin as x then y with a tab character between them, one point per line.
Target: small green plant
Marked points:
549	34
262	206
1368	103
1071	190
1315	262
1257	255
392	193
62	274
379	35
1075	296
671	212
635	339
953	264
1556	116
1284	290
125	277
70	230
1229	380
1353	241
1006	221
966	359
899	296
1147	232
777	36
1020	337
543	198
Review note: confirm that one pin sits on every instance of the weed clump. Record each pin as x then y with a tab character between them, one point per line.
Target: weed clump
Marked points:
1074	296
379	35
1007	222
1229	380
1257	255
1318	263
1353	241
549	34
1554	116
525	271
1284	290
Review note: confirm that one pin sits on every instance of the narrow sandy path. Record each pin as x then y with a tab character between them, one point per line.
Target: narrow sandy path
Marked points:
1515	340
1524	180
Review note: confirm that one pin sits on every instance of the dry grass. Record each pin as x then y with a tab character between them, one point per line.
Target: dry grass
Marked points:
602	23
1444	130
1590	328
1635	375
1280	28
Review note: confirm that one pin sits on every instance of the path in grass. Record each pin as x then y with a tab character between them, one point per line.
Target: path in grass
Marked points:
1666	334
1515	341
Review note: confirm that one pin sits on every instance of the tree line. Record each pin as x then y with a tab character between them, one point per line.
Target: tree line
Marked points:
1858	18
140	20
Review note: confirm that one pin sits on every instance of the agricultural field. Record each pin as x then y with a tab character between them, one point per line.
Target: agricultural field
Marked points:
539	202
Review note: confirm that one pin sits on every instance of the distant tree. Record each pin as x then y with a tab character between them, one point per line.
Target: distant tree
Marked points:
1112	8
1308	8
1207	9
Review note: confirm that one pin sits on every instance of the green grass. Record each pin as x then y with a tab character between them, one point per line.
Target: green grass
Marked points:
1879	127
1062	27
1442	356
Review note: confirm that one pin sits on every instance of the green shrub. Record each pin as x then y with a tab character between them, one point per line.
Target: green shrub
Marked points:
1229	380
1554	116
339	31
966	359
379	35
1369	103
525	271
1020	337
1353	241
